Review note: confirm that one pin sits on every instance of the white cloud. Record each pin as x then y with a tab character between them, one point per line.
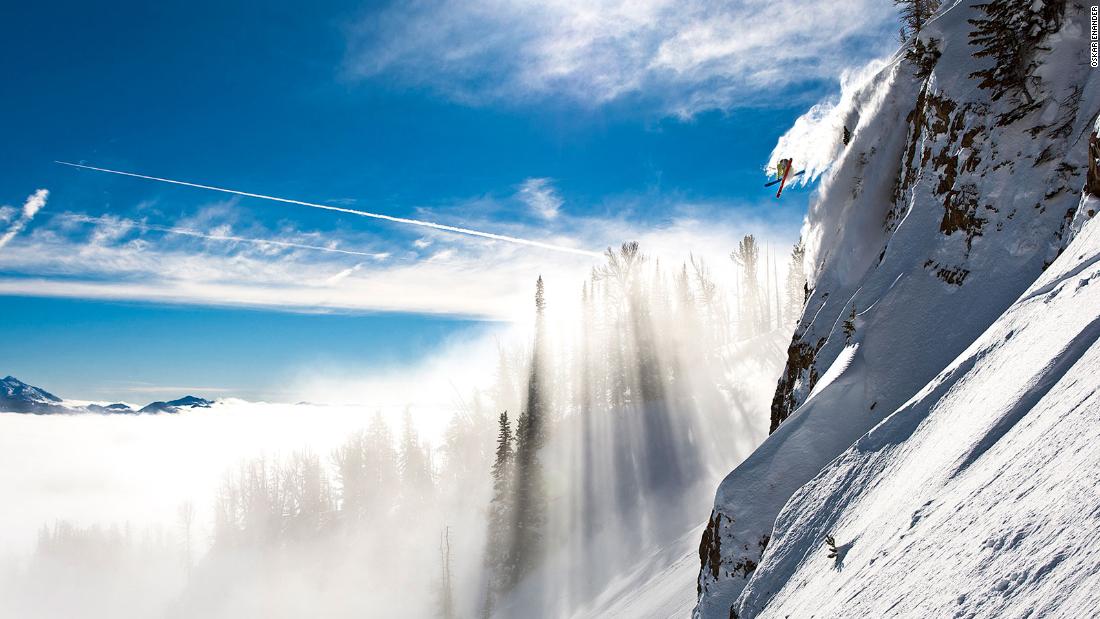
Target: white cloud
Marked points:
7	213
342	275
72	255
34	203
541	196
689	55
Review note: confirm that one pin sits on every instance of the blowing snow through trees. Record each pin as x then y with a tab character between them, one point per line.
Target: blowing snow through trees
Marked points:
589	451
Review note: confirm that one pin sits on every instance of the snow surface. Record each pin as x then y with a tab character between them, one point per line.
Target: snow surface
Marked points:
978	498
941	502
660	586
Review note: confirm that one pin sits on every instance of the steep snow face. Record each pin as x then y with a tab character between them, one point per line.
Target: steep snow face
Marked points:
938	214
978	497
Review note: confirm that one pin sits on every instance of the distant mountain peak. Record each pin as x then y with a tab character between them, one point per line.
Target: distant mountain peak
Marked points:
174	406
17	396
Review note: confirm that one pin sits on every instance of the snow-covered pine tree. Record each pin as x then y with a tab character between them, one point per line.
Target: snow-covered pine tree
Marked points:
1009	34
924	56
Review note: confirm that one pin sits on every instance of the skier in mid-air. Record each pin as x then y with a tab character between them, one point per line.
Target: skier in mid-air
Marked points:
782	172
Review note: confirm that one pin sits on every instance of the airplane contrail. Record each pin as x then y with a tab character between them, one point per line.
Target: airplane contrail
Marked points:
129	223
400	220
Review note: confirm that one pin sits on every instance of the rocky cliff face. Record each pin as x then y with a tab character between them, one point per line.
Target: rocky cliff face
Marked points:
951	198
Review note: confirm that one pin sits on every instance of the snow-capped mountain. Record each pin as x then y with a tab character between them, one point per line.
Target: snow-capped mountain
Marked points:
17	396
174	406
944	337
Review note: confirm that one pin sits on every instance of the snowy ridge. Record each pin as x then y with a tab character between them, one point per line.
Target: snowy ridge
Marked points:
935	219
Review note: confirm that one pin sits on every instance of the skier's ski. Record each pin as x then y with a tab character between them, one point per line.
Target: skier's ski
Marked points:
779	180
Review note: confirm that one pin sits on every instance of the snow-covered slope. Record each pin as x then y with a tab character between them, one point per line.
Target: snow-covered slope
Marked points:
936	217
658	587
978	498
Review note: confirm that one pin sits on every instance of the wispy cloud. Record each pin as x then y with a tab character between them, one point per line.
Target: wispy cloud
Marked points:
34	203
541	196
688	55
493	236
114	226
76	255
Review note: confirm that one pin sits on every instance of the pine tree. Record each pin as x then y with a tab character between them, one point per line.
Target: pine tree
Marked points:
502	463
529	501
830	543
497	552
747	256
796	282
415	465
766	305
446	588
775	288
487	604
850	325
1010	34
924	56
915	15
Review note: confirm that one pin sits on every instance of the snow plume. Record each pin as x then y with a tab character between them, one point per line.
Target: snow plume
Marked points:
34	203
816	138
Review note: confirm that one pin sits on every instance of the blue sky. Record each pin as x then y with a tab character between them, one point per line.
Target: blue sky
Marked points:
580	124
